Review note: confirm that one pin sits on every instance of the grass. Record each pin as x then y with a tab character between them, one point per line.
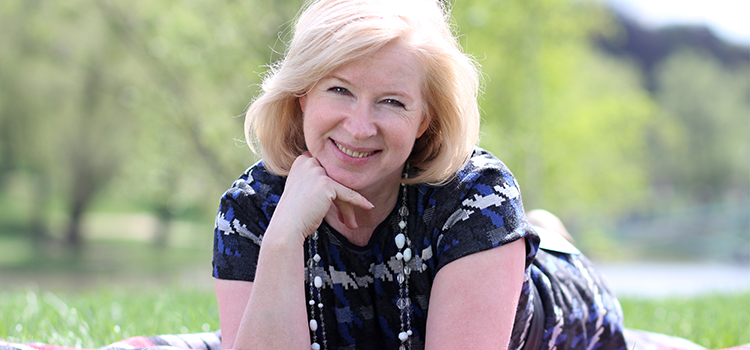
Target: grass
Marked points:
714	321
89	307
97	318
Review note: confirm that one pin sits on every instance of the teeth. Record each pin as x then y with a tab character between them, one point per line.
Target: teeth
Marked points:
351	153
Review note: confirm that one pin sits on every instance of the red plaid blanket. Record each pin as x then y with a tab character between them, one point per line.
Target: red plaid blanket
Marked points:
197	341
637	340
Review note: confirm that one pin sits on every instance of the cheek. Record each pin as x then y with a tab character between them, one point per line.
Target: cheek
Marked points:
313	129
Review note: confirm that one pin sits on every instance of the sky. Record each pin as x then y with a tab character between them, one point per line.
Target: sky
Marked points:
729	19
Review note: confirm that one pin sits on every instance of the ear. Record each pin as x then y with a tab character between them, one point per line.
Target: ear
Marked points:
302	102
426	119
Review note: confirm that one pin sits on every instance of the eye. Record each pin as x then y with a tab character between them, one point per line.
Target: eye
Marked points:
394	103
338	90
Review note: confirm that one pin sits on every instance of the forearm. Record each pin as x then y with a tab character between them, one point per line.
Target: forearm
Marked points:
276	317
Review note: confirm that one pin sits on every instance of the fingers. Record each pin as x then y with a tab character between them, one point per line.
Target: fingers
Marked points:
346	214
347	195
342	193
309	194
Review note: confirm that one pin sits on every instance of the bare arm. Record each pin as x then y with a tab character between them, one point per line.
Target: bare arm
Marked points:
275	316
232	297
473	300
270	312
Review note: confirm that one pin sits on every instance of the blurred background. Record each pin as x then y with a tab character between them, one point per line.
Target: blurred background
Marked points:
121	126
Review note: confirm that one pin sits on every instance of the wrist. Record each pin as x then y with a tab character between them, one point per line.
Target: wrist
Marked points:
280	234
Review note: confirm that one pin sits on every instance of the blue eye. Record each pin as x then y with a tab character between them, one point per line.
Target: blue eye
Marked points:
395	103
338	90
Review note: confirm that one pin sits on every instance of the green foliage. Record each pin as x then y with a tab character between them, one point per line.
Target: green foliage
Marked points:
704	140
133	102
568	121
140	104
713	321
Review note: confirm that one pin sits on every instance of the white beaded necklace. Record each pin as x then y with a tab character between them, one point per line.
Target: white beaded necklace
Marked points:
403	303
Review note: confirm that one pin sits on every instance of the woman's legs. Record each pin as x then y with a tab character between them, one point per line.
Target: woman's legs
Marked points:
545	219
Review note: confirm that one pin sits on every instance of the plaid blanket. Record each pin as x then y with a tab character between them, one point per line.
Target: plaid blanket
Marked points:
636	339
197	341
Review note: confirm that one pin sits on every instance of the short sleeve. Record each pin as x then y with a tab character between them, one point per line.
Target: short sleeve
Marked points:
243	216
486	211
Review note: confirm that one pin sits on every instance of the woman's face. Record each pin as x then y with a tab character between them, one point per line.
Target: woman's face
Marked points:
361	121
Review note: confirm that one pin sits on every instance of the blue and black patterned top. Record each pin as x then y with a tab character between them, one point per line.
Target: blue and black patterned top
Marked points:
480	208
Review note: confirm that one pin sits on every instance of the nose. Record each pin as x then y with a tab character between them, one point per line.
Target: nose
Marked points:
360	123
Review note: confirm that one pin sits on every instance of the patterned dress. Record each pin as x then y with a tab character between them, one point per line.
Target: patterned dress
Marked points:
479	209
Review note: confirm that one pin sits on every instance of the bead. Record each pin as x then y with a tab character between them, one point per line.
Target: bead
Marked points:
407	254
404	254
403	336
400	240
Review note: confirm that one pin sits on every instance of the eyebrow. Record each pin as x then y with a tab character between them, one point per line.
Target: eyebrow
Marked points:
340	78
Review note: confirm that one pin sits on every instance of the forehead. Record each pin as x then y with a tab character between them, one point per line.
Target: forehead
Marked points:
394	65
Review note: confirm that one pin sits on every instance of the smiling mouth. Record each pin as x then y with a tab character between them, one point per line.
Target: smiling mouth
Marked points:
351	153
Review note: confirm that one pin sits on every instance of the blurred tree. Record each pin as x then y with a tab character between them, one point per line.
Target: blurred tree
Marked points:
137	102
29	87
568	121
198	63
705	156
75	60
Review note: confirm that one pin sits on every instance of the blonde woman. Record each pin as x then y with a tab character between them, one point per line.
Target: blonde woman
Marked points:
372	220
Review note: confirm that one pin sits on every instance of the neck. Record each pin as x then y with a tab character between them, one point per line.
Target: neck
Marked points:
367	220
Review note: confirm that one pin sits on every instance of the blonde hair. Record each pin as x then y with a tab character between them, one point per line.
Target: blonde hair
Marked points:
331	33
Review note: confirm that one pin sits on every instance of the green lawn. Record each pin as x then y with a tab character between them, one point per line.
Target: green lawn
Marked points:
95	302
714	321
97	318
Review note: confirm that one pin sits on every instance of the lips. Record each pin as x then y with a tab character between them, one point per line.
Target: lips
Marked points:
351	153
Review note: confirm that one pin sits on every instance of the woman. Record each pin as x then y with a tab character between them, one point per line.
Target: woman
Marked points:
382	226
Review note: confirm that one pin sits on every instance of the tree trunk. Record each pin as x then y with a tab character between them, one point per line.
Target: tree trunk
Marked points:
73	236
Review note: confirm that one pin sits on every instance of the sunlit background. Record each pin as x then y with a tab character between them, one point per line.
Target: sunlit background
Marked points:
121	126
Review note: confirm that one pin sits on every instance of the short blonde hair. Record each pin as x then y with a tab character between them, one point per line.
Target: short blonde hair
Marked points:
329	34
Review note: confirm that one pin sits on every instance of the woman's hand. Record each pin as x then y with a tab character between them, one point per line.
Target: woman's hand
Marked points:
271	312
308	196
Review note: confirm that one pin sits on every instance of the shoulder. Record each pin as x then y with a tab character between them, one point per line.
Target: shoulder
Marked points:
244	212
251	199
256	181
255	184
481	176
483	167
480	208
